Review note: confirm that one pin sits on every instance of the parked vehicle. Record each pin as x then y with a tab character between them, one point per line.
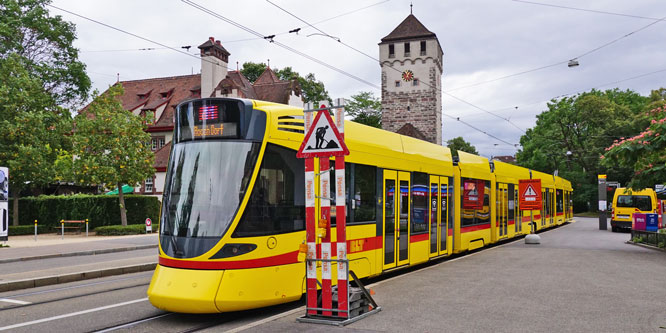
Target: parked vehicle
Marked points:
627	202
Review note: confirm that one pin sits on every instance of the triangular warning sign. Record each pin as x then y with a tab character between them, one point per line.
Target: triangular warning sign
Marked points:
529	191
322	139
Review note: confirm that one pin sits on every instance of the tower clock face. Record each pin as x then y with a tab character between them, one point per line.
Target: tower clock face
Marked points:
407	75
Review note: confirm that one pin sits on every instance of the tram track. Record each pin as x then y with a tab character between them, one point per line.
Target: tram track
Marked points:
70	297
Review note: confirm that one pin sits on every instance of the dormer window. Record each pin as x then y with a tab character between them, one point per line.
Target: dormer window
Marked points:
150	117
391	51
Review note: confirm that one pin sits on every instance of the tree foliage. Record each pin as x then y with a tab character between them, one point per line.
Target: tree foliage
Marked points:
644	153
33	128
365	108
44	42
571	135
110	146
252	70
459	143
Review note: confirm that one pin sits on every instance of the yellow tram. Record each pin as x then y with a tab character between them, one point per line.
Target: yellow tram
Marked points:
233	212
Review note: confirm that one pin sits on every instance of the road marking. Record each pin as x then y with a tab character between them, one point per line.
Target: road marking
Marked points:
72	314
14	301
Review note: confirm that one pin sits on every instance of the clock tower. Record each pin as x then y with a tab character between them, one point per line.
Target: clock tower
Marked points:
411	62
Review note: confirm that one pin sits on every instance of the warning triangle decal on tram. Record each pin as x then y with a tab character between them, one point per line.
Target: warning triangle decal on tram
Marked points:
322	139
529	191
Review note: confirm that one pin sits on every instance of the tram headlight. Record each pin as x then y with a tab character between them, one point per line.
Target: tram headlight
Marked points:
232	250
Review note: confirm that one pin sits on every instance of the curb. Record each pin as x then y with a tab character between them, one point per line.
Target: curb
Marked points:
81	253
71	277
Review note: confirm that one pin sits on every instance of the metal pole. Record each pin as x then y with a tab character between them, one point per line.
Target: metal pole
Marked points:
62	229
603	224
86	227
35	230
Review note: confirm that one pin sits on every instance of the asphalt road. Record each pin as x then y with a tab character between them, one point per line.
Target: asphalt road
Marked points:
115	304
579	279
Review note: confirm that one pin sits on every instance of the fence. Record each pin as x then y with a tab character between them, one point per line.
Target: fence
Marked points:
655	239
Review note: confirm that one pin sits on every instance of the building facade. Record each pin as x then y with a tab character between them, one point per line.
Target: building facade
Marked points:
411	64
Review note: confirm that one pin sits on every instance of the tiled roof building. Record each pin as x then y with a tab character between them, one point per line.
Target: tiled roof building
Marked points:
156	100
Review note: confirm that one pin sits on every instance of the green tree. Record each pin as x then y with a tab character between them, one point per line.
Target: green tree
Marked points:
571	135
459	143
110	146
313	90
252	70
286	74
365	108
643	153
33	129
44	42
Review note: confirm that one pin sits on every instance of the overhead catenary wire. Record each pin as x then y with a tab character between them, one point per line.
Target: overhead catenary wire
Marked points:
656	20
587	10
135	35
378	61
271	40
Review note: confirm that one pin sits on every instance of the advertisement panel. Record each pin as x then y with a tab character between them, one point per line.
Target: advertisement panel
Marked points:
473	190
4	206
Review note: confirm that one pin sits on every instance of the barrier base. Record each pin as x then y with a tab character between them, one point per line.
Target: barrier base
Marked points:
334	321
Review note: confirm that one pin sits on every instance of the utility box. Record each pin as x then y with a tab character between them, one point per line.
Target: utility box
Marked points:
638	222
652	222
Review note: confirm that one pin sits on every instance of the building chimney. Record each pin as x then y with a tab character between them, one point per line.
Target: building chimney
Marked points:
214	60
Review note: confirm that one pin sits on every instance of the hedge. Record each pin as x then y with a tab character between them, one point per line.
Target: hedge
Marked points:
18	230
100	210
117	230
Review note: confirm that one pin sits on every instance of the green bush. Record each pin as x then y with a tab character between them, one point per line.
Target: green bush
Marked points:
18	230
119	230
100	210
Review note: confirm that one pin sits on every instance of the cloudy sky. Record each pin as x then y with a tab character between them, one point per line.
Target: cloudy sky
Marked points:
484	41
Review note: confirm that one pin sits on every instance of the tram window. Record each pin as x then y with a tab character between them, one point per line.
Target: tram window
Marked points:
475	196
419	203
559	201
512	203
277	200
365	192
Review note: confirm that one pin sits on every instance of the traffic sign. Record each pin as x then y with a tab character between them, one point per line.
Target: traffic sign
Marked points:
322	139
149	225
530	194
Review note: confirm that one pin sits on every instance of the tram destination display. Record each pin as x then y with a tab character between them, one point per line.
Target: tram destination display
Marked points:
210	120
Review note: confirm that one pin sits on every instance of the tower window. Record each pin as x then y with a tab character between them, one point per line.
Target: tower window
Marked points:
397	83
415	82
423	48
406	49
391	51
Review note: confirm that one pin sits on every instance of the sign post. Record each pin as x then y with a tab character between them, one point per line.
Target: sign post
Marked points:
4	208
149	225
603	224
323	139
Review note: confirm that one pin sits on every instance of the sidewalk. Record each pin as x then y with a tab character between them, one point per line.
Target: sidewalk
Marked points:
27	263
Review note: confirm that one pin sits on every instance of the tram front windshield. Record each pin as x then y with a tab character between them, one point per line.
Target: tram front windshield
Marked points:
207	183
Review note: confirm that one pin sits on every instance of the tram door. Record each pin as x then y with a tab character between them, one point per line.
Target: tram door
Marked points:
438	215
502	209
396	218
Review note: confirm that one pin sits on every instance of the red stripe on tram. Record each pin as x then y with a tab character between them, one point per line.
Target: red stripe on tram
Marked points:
282	259
419	238
475	228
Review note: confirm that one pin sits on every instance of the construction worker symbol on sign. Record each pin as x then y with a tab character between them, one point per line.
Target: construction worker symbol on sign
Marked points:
320	132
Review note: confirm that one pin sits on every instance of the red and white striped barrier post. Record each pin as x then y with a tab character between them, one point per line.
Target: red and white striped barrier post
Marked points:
341	218
311	228
324	224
